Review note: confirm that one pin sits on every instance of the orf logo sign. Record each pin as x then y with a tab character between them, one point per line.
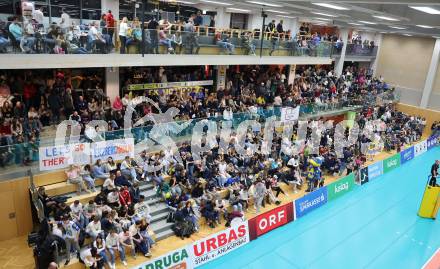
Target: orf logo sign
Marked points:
273	219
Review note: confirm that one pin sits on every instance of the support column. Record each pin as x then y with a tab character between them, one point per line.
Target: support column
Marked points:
292	74
221	76
429	82
112	5
112	82
223	18
339	63
378	43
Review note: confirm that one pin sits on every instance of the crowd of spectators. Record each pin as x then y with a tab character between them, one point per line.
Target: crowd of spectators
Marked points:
36	100
222	185
66	36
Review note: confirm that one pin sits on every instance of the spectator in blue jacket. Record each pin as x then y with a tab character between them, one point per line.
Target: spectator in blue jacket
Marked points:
98	170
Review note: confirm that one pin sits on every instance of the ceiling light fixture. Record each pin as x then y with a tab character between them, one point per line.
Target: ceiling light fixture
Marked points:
353	23
216	2
428	10
407	35
327	5
397	27
264	4
324	14
367	22
238	9
385	18
322	19
277	11
284	16
186	2
424	26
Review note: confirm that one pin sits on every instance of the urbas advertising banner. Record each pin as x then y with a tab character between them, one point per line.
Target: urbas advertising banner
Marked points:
391	163
375	170
219	244
407	155
420	148
432	141
177	259
268	221
340	187
310	202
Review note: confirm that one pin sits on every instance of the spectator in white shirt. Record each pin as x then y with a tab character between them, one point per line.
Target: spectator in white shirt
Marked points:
93	229
65	21
109	183
142	209
77	213
123	32
38	16
113	198
128	170
113	245
126	241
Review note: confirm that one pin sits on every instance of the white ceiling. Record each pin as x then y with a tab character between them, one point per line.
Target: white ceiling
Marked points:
358	12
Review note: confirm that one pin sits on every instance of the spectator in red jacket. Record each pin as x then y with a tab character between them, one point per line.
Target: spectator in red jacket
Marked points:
29	93
110	20
125	197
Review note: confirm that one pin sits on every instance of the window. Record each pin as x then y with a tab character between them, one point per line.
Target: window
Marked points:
238	21
6	7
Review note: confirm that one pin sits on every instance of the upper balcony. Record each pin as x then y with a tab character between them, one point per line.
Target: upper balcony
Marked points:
93	47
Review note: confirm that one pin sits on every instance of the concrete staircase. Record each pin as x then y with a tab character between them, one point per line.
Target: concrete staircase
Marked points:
159	212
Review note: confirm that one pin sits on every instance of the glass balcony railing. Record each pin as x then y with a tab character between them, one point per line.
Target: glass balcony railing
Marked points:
357	50
18	155
175	39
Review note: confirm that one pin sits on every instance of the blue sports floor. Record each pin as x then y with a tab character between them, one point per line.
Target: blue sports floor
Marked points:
374	226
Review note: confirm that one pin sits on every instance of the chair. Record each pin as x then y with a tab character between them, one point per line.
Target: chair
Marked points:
14	42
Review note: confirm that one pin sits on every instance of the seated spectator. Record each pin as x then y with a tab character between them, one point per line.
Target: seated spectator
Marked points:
209	212
163	40
125	197
95	38
248	44
91	258
224	43
98	170
110	166
140	242
121	180
74	177
100	245
113	245
77	214
93	229
142	209
183	226
109	183
87	177
113	199
126	241
128	170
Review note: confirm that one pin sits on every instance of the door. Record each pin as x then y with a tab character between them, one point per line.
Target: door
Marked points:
7	216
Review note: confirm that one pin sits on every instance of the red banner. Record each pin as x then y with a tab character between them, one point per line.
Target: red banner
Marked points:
270	220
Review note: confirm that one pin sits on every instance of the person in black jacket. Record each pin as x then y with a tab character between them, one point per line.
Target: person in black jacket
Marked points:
55	104
434	173
120	180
